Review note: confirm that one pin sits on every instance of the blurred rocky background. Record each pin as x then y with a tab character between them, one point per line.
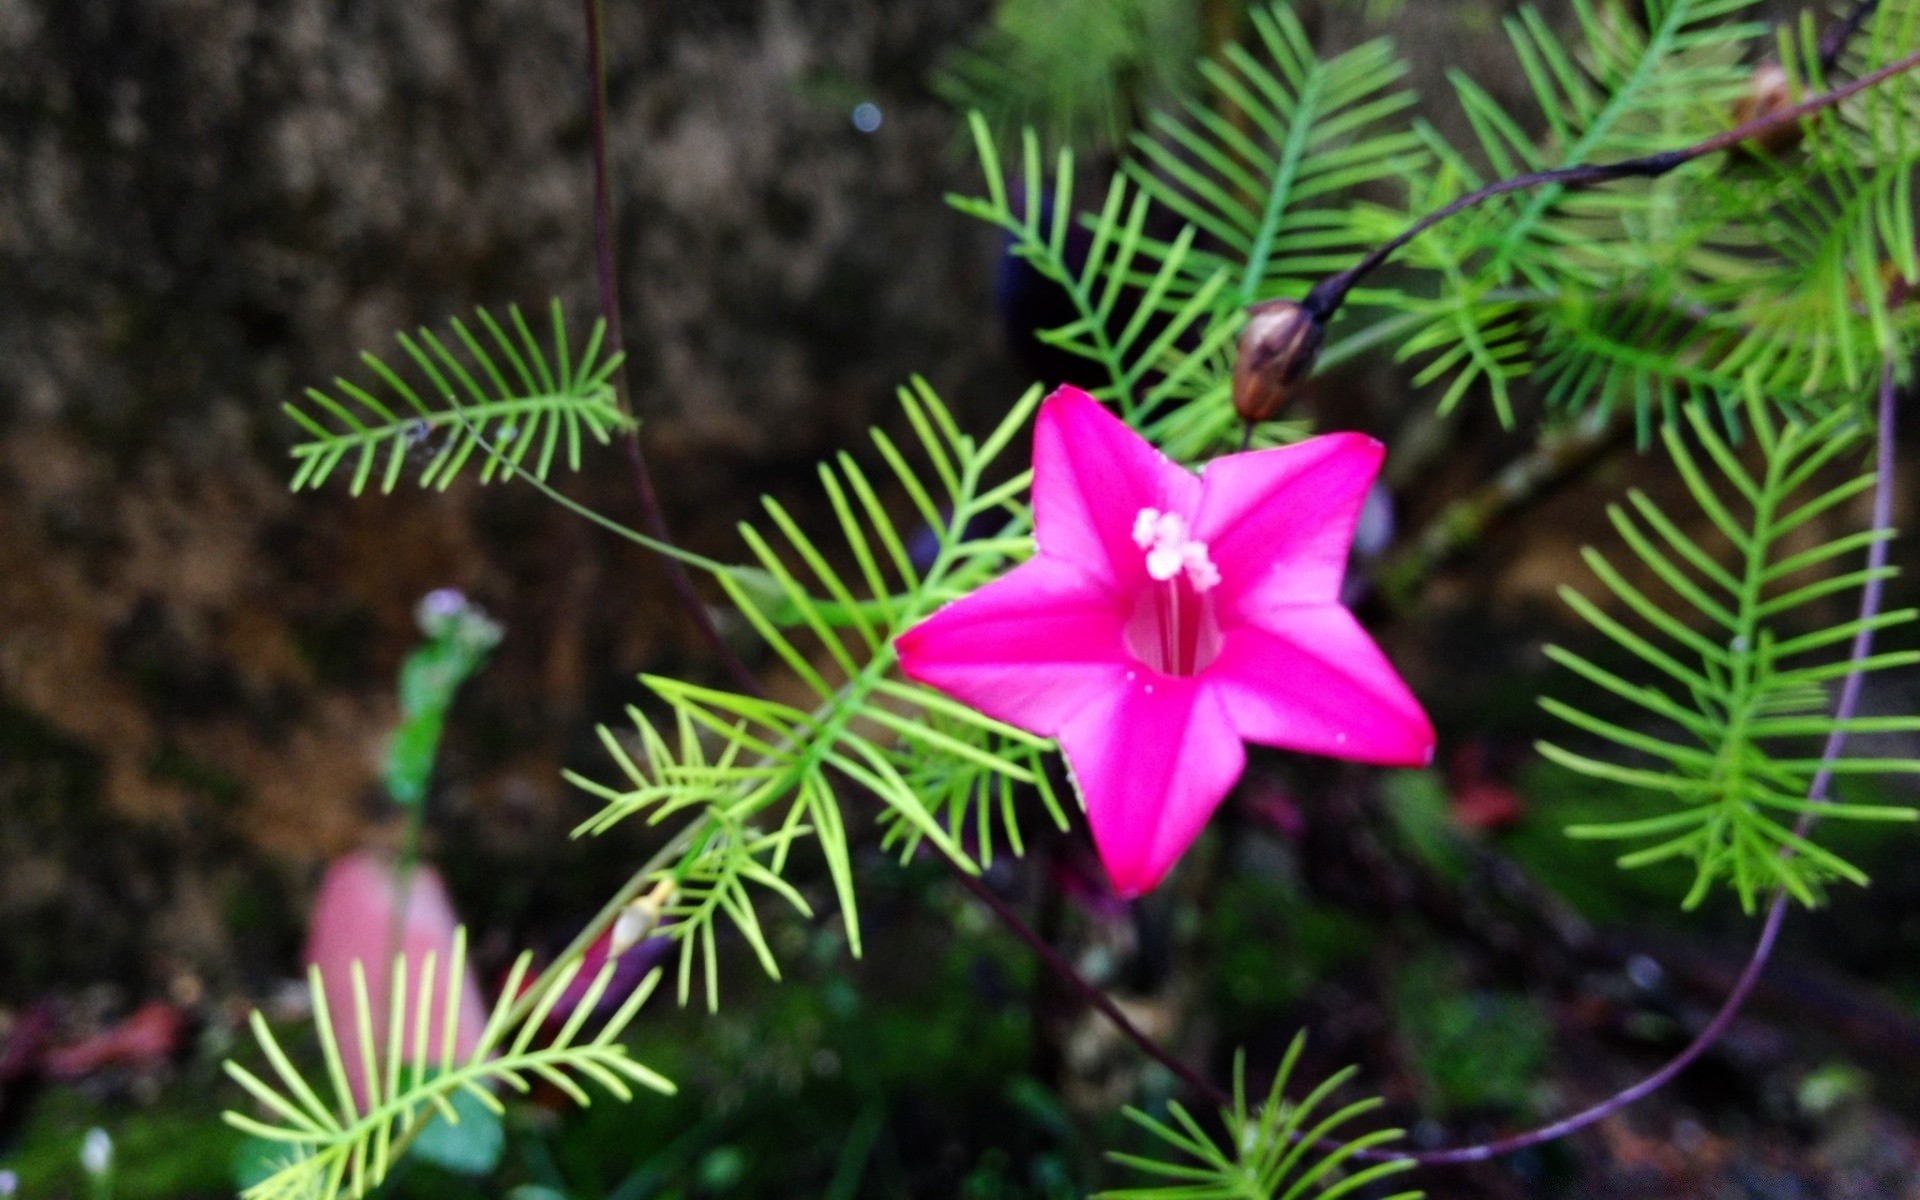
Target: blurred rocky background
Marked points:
206	206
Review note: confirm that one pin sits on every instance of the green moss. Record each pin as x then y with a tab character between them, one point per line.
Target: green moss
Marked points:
175	1147
1468	1048
1272	946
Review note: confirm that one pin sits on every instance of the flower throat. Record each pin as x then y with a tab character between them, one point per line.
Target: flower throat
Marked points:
1172	628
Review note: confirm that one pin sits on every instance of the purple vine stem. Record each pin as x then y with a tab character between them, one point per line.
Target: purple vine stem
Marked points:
1843	710
651	513
1837	38
1329	294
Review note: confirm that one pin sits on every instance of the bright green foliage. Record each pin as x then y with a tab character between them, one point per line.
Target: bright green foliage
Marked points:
347	1146
1749	269
1733	733
759	774
1586	275
1079	70
1140	305
1839	221
1734	271
504	396
1264	166
1273	1152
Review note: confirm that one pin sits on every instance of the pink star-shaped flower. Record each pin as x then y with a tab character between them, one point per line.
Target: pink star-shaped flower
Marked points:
1167	618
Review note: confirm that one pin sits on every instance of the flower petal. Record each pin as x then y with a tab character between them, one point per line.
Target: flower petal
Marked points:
1152	760
1091	477
1316	682
1031	648
1278	523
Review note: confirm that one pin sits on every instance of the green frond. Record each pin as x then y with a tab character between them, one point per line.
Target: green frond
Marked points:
1835	229
1569	275
1081	73
345	1145
1263	161
1653	351
1269	1152
970	774
1624	89
759	777
1471	332
1732	727
1136	313
498	392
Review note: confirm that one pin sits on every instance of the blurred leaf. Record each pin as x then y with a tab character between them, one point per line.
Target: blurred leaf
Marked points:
473	1146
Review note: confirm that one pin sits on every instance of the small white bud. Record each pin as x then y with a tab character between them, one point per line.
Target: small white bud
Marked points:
9	1185
96	1152
638	919
633	924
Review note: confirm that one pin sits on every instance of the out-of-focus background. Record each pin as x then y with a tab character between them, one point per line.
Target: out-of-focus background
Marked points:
206	207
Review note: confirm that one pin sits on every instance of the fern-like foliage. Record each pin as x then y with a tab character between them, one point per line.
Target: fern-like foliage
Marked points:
1580	272
1766	269
1838	219
1245	195
506	394
1263	162
1790	270
1733	727
1128	319
1274	1151
347	1145
757	775
1079	70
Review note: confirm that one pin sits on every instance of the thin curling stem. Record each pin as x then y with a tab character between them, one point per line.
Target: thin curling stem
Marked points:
1330	293
1094	997
1870	592
1843	710
1834	44
651	515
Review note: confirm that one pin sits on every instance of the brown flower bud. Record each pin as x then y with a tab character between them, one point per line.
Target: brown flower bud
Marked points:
1277	349
1769	91
1899	289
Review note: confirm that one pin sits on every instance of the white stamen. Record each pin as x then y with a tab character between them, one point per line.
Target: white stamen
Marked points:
1164	561
1171	549
1143	525
1201	572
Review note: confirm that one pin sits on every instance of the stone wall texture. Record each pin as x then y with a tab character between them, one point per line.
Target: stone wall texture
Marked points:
206	205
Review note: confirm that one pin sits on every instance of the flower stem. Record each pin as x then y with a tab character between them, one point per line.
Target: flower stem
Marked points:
651	515
1330	293
1095	998
1835	42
